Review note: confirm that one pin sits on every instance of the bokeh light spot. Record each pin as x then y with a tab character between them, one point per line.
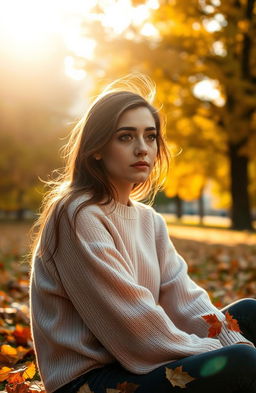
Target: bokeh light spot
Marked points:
213	366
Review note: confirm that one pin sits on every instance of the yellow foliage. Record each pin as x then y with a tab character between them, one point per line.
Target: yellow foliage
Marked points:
244	25
30	370
8	350
4	372
185	182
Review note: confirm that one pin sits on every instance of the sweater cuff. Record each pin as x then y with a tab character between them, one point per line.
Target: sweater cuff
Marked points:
230	337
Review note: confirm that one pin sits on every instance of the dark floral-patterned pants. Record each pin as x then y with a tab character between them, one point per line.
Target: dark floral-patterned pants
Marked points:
231	369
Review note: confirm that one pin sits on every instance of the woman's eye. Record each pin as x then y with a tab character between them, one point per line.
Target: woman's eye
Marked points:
128	137
152	137
125	137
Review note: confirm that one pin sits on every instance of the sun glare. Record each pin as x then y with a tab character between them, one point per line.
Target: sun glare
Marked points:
29	28
149	30
120	14
208	90
71	70
23	23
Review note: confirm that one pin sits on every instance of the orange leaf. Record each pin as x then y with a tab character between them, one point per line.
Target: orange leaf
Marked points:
216	325
177	377
15	377
10	339
8	350
11	355
8	354
17	388
4	372
127	387
22	334
232	323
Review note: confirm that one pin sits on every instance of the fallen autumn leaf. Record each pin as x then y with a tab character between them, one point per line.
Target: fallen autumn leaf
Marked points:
178	377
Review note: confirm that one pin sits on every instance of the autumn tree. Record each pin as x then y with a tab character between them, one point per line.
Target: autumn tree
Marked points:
181	45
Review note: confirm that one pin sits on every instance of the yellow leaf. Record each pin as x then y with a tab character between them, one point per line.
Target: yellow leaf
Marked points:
177	377
30	370
85	389
4	372
8	350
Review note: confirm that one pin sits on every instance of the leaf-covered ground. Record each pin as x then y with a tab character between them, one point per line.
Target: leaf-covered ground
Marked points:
221	261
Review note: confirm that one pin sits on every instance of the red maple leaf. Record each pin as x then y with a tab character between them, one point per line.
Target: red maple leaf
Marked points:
17	388
216	325
232	322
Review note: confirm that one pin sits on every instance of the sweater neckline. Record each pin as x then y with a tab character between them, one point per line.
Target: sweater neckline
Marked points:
128	212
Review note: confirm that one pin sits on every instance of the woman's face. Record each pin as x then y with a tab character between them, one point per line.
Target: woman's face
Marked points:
134	141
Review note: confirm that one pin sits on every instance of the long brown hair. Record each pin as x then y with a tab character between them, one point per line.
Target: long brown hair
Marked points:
83	173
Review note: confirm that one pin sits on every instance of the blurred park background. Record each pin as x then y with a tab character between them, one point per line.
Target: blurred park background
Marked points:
201	54
202	57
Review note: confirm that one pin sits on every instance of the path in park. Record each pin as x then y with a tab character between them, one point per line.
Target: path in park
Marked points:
15	236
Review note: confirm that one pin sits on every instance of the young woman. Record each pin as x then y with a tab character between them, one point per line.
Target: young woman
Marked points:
112	306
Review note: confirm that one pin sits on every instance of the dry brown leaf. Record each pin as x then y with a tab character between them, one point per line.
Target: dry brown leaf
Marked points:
177	377
127	387
85	389
113	391
17	388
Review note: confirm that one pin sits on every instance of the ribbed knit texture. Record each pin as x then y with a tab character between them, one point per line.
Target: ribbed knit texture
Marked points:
119	291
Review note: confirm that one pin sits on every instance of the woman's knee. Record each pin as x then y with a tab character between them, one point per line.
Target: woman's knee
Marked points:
243	355
246	303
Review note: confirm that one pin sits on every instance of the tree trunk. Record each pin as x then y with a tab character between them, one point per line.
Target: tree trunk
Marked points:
240	209
178	203
201	208
20	213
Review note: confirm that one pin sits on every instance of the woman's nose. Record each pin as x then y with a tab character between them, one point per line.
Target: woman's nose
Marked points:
141	148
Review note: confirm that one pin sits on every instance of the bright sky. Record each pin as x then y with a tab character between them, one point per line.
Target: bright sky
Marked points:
29	24
28	28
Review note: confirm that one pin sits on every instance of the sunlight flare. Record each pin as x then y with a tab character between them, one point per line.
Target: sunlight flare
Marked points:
71	70
209	90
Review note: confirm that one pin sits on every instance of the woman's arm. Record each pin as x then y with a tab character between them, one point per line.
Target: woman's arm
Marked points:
120	313
181	298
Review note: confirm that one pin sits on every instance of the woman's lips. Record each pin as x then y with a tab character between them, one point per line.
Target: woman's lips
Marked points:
141	167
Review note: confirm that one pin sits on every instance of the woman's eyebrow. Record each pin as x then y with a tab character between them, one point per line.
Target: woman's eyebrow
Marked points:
126	128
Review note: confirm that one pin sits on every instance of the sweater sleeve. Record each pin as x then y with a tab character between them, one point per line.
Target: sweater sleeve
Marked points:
121	314
182	299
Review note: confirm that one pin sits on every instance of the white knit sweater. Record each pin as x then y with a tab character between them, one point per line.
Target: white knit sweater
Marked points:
119	292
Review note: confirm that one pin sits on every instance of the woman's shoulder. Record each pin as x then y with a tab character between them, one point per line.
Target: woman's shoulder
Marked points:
82	202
